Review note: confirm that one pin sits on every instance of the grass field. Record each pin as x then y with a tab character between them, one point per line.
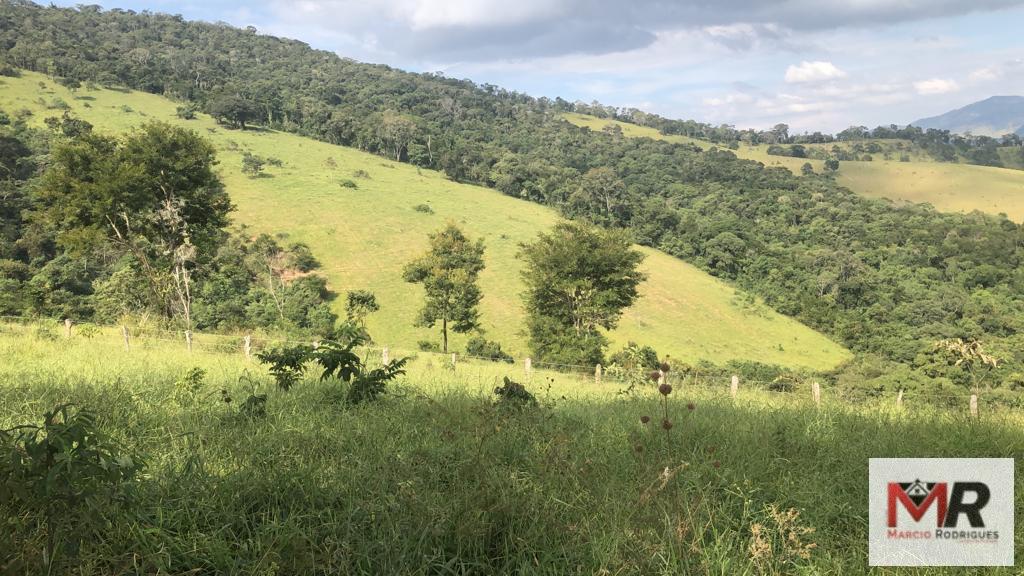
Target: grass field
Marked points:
364	236
438	479
947	187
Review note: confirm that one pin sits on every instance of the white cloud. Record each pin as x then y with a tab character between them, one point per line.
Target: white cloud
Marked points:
985	74
813	72
425	14
936	86
729	99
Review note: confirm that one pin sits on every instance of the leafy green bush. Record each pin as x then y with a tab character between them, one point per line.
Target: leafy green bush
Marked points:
63	473
348	183
515	395
187	112
428	346
188	387
337	360
483	348
424	208
287	364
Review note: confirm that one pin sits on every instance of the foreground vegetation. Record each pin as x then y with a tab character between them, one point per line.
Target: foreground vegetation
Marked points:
440	476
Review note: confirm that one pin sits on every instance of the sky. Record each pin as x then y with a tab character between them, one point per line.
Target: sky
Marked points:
817	65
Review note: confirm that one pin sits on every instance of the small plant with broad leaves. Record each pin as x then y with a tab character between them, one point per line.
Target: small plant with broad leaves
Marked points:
188	387
367	386
62	473
338	360
287	364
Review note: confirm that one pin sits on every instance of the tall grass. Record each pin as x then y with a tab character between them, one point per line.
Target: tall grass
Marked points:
440	479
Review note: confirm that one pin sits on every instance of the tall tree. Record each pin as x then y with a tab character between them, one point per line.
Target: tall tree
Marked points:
578	279
448	272
153	195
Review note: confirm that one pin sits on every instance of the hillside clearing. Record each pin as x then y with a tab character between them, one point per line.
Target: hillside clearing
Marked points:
947	187
365	235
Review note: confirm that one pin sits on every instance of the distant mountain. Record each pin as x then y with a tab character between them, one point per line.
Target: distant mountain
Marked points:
993	116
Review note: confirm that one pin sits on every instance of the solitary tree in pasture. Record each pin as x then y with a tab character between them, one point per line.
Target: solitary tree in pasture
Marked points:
448	272
579	279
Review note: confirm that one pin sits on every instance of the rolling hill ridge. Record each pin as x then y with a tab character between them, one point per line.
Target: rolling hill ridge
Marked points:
365	235
993	116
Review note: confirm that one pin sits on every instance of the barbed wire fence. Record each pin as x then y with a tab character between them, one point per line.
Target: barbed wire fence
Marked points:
248	344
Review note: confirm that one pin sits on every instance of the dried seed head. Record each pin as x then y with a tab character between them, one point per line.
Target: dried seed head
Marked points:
664	367
645	419
655	376
666	424
665	389
690	406
716	464
638	448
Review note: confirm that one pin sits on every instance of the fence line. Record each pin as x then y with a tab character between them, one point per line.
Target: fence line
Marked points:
598	374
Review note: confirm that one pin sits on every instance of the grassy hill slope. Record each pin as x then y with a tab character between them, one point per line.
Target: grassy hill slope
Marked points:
364	236
948	187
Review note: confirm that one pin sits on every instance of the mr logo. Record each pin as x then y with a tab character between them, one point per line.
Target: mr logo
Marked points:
917	497
955	511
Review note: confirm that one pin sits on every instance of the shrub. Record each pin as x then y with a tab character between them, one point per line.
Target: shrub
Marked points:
186	112
64	473
633	356
361	174
188	387
348	183
58	104
423	208
287	364
252	164
338	360
428	346
483	348
514	394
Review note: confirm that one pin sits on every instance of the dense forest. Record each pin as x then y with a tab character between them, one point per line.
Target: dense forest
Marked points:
886	281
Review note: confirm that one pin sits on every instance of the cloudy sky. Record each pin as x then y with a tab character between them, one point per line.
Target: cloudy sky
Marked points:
814	64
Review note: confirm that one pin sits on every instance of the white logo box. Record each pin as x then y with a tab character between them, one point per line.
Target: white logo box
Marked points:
970	534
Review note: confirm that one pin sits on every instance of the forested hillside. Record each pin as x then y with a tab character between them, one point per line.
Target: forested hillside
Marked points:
886	281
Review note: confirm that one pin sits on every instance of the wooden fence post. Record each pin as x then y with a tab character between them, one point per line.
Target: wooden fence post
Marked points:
899	399
67	327
734	386
188	340
384	356
816	394
974	405
597	374
247	347
127	338
528	366
453	360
